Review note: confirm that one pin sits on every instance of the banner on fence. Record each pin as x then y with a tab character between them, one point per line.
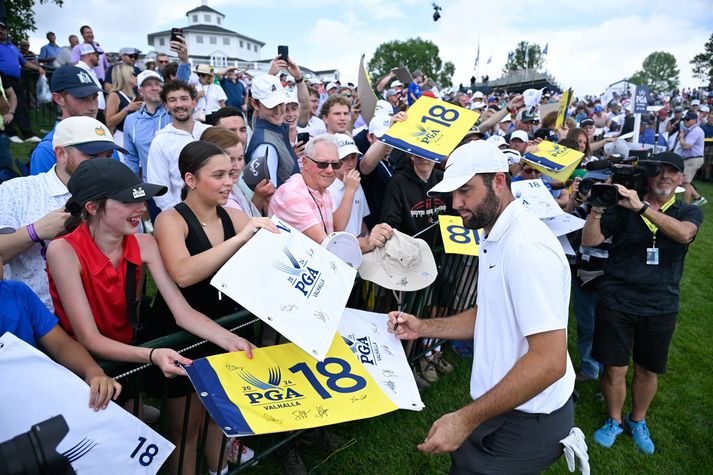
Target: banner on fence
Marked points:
111	441
433	129
291	283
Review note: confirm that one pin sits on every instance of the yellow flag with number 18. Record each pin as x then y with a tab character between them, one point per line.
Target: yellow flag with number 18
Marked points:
433	129
457	239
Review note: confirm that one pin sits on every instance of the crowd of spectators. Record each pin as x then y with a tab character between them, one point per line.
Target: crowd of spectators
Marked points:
174	167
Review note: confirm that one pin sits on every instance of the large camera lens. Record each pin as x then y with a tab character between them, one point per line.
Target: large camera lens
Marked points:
585	185
603	195
35	451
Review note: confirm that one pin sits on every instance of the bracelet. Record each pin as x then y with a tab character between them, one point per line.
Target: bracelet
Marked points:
597	215
301	79
151	355
33	233
643	208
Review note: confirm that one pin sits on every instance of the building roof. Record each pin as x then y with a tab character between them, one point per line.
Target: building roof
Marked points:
204	8
208	29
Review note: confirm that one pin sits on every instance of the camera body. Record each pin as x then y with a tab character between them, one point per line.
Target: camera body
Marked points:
632	173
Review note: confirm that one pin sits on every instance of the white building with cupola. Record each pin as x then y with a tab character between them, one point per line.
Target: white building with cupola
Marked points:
209	41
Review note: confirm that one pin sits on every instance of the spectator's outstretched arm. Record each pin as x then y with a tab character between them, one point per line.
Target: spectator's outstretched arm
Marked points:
383	82
186	316
376	150
302	92
514	103
71	354
47	228
184	68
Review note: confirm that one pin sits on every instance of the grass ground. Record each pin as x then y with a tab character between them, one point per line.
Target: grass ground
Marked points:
680	416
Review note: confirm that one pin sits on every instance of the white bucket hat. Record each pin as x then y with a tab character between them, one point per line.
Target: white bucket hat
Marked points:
404	263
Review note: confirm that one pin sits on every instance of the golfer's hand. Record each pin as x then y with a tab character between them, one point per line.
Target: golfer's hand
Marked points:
446	435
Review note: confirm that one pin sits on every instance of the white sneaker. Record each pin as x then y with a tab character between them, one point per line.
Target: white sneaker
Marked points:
231	451
16	139
34	139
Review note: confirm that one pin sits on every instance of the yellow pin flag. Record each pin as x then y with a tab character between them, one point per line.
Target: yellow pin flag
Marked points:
555	161
433	129
457	239
565	102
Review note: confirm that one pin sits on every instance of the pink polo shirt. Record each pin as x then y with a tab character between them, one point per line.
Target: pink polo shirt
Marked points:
301	206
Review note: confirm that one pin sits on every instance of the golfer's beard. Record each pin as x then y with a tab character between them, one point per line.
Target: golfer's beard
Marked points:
485	213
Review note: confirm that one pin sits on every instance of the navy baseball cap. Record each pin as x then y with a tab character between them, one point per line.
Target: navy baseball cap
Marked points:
690	115
586	121
73	80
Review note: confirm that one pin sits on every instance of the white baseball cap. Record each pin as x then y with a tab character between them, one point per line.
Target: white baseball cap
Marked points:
85	133
695	102
396	83
269	91
88	48
346	145
704	108
383	108
331	85
291	97
345	246
478	94
379	125
519	134
148	74
498	140
479	156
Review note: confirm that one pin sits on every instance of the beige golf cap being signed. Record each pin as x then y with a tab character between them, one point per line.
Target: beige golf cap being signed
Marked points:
467	161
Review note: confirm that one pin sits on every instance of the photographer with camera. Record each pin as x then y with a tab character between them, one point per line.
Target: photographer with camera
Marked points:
639	293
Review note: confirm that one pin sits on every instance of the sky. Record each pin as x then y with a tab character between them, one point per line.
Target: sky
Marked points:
590	44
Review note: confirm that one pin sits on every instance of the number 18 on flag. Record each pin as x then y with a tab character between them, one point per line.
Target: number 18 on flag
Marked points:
457	239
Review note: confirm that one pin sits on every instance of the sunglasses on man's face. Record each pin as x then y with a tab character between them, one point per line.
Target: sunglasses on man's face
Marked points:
529	171
325	165
163	62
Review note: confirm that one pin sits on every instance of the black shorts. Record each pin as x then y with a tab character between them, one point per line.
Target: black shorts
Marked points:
616	332
514	442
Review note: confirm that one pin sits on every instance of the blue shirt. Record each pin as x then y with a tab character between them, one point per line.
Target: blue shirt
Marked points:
43	157
22	313
49	51
414	89
10	60
234	91
139	130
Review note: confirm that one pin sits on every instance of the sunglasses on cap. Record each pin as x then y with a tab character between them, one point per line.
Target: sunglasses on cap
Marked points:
325	165
347	94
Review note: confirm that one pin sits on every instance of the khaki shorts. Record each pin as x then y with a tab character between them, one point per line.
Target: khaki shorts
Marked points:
690	167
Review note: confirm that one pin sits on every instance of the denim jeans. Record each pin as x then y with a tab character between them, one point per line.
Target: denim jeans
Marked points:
585	304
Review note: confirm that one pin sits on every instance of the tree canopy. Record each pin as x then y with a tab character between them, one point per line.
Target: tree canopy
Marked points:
659	71
516	58
413	54
702	63
20	17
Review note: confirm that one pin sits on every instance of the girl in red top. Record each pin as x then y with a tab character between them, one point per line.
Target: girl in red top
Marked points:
87	269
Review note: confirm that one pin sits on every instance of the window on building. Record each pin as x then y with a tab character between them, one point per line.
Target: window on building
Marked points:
255	46
241	43
206	18
226	40
213	40
199	38
218	20
218	61
161	41
195	18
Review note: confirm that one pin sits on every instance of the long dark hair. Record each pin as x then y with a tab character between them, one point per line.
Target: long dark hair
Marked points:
193	157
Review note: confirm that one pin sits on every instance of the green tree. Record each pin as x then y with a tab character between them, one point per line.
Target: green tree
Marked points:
659	71
703	62
413	54
516	58
20	17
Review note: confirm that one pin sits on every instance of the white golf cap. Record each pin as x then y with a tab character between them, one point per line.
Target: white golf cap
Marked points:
498	140
396	83
346	145
269	91
379	125
383	108
519	134
330	86
85	133
479	156
148	74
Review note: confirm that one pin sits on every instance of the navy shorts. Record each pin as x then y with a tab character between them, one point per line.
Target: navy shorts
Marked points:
514	442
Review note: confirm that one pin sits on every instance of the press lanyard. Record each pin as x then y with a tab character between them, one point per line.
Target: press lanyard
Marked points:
324	225
652	227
